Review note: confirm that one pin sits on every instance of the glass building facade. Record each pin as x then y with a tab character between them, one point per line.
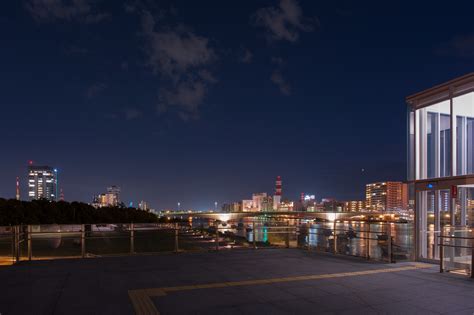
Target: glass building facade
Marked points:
441	163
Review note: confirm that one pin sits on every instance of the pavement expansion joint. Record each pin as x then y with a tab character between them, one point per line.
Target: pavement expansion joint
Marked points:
143	304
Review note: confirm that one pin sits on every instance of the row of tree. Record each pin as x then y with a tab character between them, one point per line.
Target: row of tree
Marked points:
14	212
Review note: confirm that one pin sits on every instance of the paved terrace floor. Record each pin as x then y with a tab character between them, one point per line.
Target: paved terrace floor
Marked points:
232	282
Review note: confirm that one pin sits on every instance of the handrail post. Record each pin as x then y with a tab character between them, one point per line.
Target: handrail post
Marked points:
83	240
441	253
389	242
253	235
472	262
217	235
367	242
30	249
335	237
132	238
176	235
13	242
18	247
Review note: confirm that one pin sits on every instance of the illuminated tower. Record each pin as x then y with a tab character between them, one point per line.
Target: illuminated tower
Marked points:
277	196
17	188
61	195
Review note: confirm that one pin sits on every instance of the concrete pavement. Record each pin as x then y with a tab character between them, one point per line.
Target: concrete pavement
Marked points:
271	281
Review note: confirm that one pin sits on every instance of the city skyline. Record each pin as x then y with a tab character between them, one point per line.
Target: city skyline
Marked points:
317	99
398	199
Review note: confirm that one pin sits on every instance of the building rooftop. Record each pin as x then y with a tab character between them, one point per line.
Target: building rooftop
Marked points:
454	87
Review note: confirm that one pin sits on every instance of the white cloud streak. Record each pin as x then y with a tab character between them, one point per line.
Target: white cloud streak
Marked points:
74	10
278	79
284	22
181	58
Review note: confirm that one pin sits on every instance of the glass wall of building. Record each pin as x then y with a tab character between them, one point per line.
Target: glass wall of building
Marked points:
441	167
433	141
440	214
411	144
434	215
463	111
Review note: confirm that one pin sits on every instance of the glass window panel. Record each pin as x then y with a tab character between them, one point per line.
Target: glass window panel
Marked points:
411	144
463	109
433	151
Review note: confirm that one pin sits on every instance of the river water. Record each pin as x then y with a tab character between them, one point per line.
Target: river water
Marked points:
355	238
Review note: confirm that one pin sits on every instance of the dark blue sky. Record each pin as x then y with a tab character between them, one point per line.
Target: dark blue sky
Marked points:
197	101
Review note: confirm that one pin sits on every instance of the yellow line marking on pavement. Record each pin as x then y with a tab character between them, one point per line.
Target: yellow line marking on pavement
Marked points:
143	305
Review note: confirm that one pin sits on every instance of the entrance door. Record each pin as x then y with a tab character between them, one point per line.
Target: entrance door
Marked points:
433	215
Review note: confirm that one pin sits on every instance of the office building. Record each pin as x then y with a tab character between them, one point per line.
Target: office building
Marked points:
441	162
113	196
354	206
247	205
42	182
286	206
258	200
99	201
332	205
386	196
109	199
143	205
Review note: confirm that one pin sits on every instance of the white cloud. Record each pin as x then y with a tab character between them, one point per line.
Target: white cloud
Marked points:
95	89
172	53
132	113
284	22
280	82
181	59
76	50
78	10
188	94
278	61
246	56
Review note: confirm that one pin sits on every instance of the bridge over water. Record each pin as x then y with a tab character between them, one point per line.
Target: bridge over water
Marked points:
331	216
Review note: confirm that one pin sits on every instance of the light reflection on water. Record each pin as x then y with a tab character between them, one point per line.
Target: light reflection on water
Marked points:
351	240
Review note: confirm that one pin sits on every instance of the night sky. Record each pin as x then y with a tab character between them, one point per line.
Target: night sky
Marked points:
203	101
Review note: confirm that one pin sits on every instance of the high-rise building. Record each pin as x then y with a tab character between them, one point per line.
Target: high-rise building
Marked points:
232	207
332	205
17	195
113	196
258	200
354	205
42	182
386	196
143	205
267	204
247	205
110	199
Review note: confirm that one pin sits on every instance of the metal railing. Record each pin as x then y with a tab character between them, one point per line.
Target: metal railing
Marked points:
456	253
34	242
352	242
